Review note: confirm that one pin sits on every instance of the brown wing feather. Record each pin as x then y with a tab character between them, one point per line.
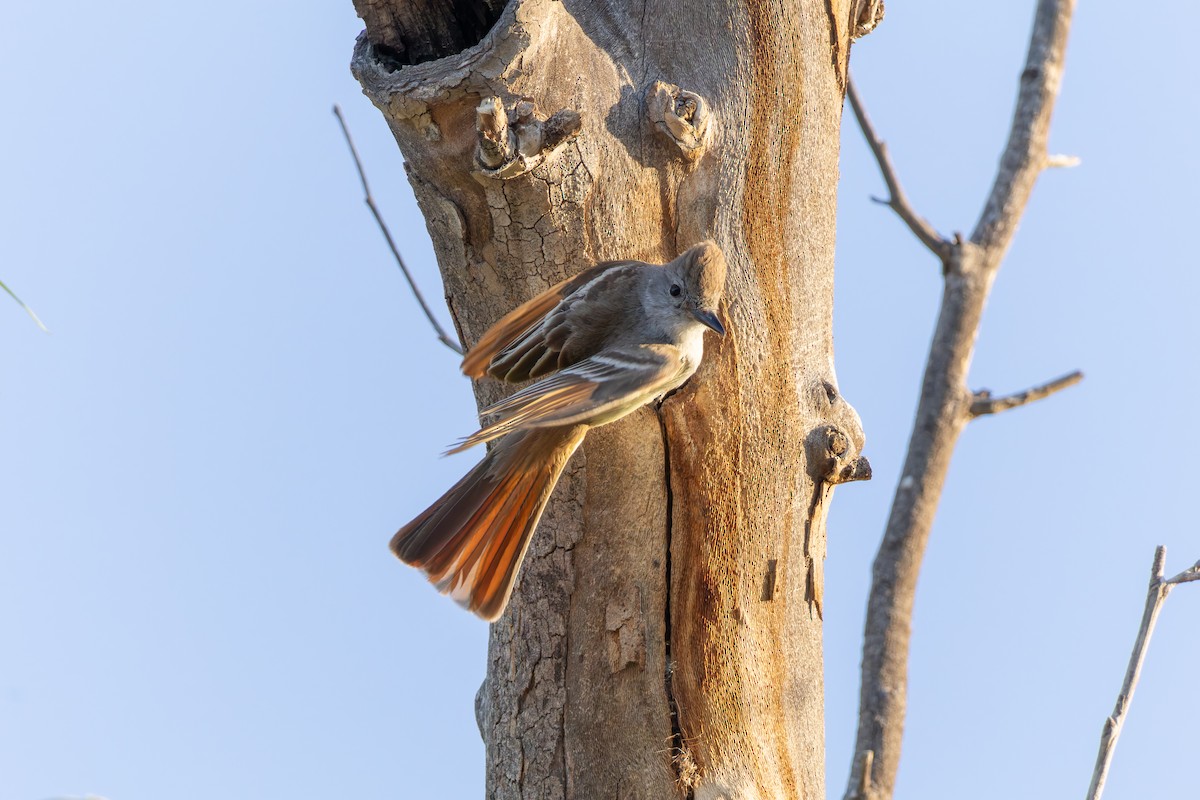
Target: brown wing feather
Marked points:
585	392
557	400
520	320
578	327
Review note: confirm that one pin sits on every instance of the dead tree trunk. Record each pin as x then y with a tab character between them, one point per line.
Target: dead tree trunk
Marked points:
665	636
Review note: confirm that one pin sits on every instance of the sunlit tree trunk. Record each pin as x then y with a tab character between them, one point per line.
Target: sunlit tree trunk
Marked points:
665	636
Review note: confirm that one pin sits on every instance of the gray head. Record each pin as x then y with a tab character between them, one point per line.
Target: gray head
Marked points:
694	283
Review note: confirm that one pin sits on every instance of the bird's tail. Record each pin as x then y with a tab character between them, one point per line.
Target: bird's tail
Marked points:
470	543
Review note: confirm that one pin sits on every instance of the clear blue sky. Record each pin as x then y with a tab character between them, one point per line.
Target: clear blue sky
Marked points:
204	461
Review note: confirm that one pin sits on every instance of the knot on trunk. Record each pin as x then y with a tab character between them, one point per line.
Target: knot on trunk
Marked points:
834	449
832	458
516	140
682	116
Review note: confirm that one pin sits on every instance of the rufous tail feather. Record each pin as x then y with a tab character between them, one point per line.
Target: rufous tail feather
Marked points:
471	542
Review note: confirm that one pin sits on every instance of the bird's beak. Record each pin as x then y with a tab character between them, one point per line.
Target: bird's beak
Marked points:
709	319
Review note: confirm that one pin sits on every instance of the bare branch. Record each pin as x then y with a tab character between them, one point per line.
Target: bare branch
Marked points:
412	284
983	402
897	200
945	405
21	303
1190	574
1156	593
1025	155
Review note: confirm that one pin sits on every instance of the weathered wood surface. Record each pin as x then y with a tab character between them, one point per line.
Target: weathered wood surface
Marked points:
665	637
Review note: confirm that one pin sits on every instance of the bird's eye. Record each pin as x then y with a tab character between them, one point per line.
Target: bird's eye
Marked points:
675	290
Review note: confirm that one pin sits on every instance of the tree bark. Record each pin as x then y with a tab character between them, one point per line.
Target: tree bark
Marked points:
664	639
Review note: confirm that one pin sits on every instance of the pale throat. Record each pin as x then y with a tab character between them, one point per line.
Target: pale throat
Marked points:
691	342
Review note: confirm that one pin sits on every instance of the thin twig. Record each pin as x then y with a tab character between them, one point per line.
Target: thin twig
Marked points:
21	303
1062	161
362	176
897	199
984	403
1156	593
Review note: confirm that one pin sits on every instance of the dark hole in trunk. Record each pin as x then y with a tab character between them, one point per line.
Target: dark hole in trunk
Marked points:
407	32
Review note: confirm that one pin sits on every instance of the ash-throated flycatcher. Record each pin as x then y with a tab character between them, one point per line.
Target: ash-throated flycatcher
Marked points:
620	334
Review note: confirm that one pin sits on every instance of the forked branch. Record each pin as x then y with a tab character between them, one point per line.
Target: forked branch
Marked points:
897	200
1156	593
946	404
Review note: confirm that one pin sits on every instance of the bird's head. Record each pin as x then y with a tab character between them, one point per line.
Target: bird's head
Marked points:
697	280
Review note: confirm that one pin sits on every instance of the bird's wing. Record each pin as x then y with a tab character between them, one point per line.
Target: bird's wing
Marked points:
598	389
521	325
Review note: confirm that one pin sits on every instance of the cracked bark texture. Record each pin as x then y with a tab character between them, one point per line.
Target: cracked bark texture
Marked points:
664	639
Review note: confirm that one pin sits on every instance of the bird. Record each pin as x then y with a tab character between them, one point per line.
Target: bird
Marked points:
603	343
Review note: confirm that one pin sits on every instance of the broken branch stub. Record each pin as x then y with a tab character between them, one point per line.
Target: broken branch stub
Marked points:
517	140
496	140
867	17
833	449
682	116
833	457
